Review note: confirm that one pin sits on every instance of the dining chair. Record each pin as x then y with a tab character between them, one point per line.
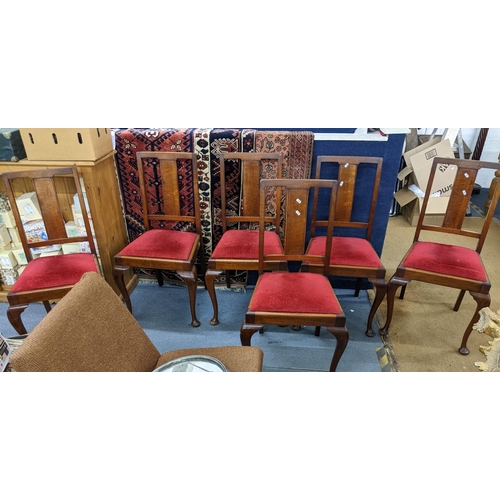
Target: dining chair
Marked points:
238	247
352	253
295	298
452	265
172	230
45	197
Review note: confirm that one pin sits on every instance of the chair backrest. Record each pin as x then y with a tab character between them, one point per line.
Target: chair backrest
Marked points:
169	190
252	167
54	190
292	199
89	330
359	180
460	194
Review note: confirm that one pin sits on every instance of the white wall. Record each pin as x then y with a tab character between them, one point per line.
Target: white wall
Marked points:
490	152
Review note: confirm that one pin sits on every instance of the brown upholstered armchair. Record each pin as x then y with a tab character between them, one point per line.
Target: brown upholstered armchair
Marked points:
91	330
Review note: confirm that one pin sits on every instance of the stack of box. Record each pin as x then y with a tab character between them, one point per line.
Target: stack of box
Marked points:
8	261
415	177
78	225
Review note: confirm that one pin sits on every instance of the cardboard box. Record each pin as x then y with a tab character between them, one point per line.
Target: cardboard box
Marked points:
68	248
51	253
9	276
411	206
71	229
7	260
76	201
422	139
419	163
7	218
14	235
11	145
50	249
28	206
67	143
20	256
35	231
5	238
79	222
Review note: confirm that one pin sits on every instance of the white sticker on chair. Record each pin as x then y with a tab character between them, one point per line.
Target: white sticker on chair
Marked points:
297	212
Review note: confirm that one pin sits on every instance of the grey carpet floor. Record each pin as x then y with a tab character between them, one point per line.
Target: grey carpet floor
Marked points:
164	315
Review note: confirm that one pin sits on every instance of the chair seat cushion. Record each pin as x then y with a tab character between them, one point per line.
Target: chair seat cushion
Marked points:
161	244
55	271
346	251
244	244
294	293
446	259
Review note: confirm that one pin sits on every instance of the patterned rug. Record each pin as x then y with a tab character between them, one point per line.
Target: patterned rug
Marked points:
208	144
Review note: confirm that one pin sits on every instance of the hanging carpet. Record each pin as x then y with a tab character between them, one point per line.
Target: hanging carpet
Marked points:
208	144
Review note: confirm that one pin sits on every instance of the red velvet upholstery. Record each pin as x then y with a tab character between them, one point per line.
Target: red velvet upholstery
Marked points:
245	245
346	251
446	259
294	293
161	244
51	272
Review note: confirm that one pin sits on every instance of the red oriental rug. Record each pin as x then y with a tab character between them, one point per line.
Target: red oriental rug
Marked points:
208	144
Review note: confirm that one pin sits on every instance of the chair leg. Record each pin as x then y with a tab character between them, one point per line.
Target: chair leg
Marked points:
246	332
317	331
380	286
118	277
203	262
210	286
227	276
459	300
14	317
358	287
190	278
403	290
342	336
483	300
159	277
47	306
392	287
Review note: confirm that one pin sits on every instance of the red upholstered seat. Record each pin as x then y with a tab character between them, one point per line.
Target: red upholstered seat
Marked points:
446	259
161	244
346	251
55	271
238	244
294	293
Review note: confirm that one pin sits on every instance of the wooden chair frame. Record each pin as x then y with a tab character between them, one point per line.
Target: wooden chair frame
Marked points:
250	166
452	224
51	185
297	192
185	268
348	168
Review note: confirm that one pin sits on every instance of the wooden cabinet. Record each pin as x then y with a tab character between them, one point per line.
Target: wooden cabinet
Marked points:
101	185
